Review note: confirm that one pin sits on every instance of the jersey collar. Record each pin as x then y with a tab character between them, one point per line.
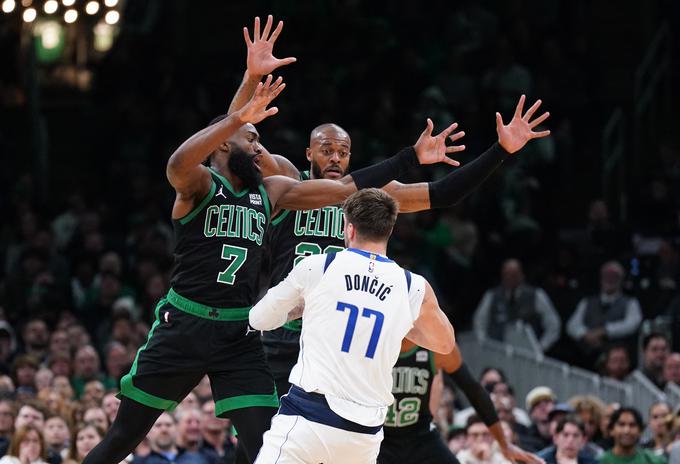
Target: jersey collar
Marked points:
370	255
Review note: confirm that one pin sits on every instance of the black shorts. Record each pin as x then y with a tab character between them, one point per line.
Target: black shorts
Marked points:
281	347
422	447
184	345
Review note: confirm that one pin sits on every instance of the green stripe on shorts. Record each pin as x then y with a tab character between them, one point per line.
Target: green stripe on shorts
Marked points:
246	401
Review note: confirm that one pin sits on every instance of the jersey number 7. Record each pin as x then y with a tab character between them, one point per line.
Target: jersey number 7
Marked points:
352	323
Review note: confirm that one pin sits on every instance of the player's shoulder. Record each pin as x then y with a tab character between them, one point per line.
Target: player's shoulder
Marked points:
312	262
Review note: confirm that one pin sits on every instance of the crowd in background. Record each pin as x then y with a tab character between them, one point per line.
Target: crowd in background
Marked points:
86	253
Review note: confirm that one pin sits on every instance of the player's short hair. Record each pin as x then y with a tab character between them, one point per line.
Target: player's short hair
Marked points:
372	212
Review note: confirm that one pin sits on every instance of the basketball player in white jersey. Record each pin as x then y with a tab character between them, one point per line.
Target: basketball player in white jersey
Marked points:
358	305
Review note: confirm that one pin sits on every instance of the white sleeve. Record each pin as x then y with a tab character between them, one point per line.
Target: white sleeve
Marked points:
272	310
480	319
576	327
552	325
416	294
630	322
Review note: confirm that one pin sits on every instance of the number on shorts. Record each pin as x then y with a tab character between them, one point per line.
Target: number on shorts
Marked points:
304	249
238	256
352	323
403	414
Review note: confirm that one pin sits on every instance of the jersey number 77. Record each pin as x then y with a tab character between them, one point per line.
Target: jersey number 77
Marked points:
352	323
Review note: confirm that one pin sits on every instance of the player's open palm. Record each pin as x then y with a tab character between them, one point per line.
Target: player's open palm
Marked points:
515	135
516	454
433	149
261	60
256	109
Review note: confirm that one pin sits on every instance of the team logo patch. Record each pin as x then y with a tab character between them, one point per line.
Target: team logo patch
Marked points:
255	199
371	266
421	356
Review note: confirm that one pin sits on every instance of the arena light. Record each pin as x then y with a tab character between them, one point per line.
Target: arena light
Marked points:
50	6
92	7
110	3
8	6
71	16
68	2
112	17
30	15
50	33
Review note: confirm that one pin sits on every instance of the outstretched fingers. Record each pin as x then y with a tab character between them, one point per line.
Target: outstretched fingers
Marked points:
457	136
246	35
445	133
450	161
499	121
267	27
538	135
277	31
539	120
520	107
256	29
428	128
530	112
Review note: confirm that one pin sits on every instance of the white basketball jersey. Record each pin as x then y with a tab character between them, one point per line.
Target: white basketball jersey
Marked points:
357	312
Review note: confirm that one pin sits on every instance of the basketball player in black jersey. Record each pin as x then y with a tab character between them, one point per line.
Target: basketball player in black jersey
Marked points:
410	436
296	234
220	215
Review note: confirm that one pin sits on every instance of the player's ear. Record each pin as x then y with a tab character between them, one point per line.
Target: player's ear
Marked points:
308	152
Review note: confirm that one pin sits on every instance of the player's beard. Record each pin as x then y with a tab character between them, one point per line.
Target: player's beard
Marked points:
242	166
317	174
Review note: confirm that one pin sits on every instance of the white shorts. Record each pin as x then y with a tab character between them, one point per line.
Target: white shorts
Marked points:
294	439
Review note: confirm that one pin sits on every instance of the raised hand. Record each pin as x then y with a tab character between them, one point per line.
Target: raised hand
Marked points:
432	149
514	454
515	135
256	109
261	60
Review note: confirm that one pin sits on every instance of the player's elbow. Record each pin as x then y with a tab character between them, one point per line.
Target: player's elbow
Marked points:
447	343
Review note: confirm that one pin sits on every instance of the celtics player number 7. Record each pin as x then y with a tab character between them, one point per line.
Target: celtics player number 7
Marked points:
238	255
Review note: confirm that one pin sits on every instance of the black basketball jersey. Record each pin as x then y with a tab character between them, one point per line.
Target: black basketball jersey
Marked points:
296	234
218	246
412	378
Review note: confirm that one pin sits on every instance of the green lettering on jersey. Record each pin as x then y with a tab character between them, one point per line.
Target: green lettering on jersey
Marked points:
208	229
234	222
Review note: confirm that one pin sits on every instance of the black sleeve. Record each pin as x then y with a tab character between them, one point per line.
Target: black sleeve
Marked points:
384	172
475	393
457	185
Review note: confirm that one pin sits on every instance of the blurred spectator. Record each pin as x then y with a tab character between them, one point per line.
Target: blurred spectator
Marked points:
7	415
218	443
202	390
61	385
514	301
118	362
655	349
659	419
36	337
86	367
455	439
8	346
589	409
671	368
568	438
59	343
189	437
27	447
98	417
43	378
60	365
57	436
31	413
479	448
84	437
24	369
6	386
110	404
539	402
162	439
605	440
607	317
616	363
625	427
559	412
93	393
504	397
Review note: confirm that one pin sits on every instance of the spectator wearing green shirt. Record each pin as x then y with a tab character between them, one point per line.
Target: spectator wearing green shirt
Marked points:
625	427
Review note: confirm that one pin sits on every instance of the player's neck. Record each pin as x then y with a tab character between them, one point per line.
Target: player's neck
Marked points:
223	170
378	248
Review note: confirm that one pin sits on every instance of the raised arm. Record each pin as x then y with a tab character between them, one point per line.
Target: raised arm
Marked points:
185	171
432	329
260	60
310	194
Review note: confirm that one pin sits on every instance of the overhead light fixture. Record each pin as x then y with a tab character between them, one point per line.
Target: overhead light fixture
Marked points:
71	16
68	2
50	6
110	3
8	6
30	15
91	8
112	17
